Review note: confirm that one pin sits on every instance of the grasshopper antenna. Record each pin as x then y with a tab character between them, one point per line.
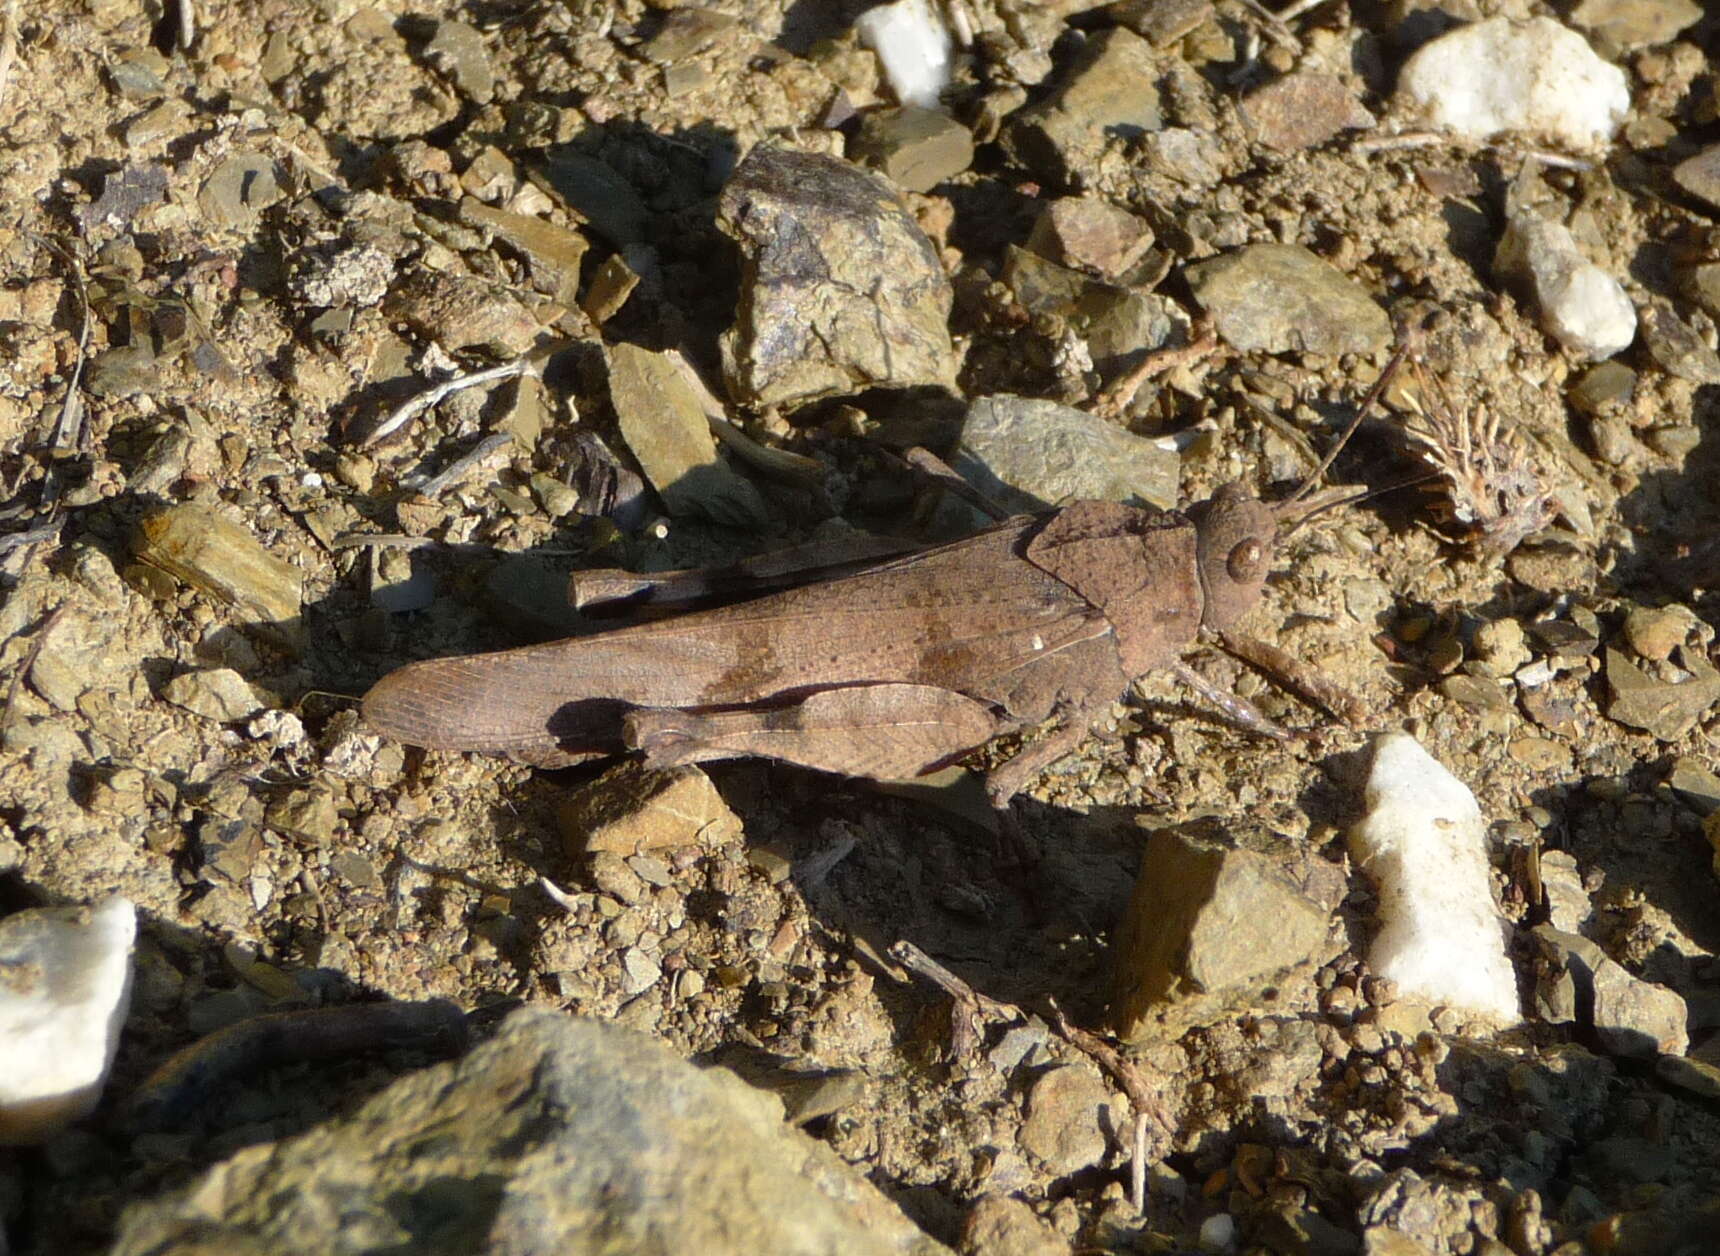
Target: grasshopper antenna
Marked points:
1354	499
1403	351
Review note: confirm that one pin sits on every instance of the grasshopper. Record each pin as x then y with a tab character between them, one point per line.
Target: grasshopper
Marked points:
881	667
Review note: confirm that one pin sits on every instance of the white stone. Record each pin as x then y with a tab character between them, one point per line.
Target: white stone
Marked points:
914	48
1579	304
65	984
1534	78
1424	844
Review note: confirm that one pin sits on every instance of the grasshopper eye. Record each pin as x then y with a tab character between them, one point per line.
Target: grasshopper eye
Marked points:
1244	561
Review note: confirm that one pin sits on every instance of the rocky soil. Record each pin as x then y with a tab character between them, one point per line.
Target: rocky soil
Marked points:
231	255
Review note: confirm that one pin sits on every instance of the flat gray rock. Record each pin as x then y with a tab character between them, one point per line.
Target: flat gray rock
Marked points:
1031	455
1281	298
559	1135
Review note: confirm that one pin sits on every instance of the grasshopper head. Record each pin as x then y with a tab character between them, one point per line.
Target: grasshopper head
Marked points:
1236	535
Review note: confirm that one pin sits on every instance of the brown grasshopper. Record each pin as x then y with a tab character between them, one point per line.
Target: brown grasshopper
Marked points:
882	667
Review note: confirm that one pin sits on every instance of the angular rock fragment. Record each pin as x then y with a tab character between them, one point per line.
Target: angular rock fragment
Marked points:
1303	110
1424	844
1085	233
458	50
555	252
1118	325
1109	93
462	312
1534	78
1028	455
1210	927
631	808
1630	1017
211	552
65	985
840	290
219	694
1700	175
663	420
1580	305
1677	347
916	149
1666	708
1068	1114
557	1135
1631	24
1281	298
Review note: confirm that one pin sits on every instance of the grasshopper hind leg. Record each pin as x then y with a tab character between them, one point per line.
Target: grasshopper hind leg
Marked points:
884	732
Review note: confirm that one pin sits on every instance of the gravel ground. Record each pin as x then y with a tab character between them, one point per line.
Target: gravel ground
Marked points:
270	240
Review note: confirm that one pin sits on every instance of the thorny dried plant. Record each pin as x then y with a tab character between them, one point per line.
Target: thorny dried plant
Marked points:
1493	486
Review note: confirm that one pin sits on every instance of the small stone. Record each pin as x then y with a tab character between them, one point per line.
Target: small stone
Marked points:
138	73
1631	24
1654	632
1068	1113
1697	1077
1162	22
1700	175
1667	709
1631	1017
913	47
662	417
841	290
689	31
343	273
1533	78
1538	754
631	808
1500	646
1701	284
805	1099
1108	94
555	252
1117	324
639	971
210	551
916	149
356	870
1000	1225
1568	905
1603	387
462	312
123	371
65	986
1674	344
1303	110
458	51
1695	783
1208	926
306	815
1579	304
241	187
1281	298
1475	691
1023	1044
611	285
221	694
1088	234
1028	455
